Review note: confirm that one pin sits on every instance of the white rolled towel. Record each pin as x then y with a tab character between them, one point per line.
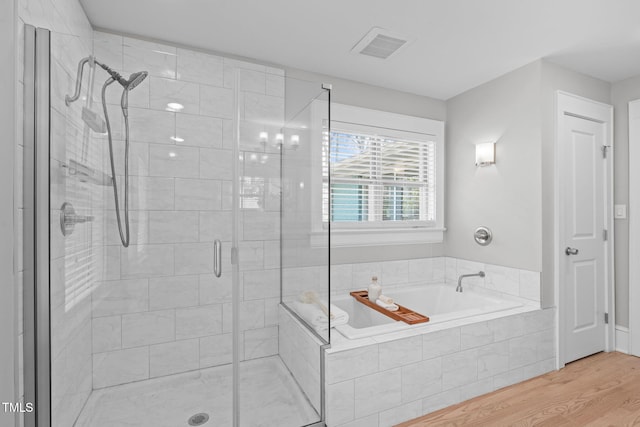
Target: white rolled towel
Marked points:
315	317
386	299
387	306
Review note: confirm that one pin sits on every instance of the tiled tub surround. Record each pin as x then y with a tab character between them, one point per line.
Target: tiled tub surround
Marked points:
392	274
300	351
386	379
438	301
160	309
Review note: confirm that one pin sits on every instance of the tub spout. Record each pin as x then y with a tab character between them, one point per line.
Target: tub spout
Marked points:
459	287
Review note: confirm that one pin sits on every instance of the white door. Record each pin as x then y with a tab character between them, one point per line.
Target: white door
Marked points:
582	175
634	228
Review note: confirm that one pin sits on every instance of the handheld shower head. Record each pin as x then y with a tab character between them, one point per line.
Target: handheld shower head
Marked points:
128	84
135	79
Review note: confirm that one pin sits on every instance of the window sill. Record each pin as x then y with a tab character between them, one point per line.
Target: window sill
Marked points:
378	237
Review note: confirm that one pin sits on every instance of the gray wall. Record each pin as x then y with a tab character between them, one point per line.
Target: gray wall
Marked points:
621	93
367	96
8	331
505	196
515	196
554	78
378	98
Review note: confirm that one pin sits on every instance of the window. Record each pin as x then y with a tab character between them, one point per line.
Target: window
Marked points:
376	179
382	177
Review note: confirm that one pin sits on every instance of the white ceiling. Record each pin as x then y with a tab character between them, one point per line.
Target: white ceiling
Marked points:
457	44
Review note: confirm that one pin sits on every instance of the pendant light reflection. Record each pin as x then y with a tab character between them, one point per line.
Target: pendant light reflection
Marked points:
279	140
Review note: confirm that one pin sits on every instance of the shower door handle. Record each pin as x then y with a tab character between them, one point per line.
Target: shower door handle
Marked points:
217	258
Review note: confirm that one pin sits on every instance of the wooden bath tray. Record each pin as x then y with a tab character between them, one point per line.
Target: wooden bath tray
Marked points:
404	314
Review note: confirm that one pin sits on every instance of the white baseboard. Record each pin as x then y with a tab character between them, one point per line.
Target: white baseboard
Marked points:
622	339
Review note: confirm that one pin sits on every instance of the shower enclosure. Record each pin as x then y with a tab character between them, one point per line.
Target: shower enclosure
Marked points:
177	321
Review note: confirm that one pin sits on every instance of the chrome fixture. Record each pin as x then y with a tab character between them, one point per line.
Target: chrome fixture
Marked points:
84	173
88	60
198	419
217	258
69	218
128	85
459	287
483	235
571	251
91	118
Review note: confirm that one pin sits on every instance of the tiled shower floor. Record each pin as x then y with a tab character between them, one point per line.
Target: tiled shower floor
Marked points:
268	397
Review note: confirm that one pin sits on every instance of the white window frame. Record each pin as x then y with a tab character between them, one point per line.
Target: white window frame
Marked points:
387	233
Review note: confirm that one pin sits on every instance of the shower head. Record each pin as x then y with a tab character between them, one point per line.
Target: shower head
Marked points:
135	79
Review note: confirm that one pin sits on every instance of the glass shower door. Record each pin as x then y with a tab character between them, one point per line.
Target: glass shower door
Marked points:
181	324
275	386
77	218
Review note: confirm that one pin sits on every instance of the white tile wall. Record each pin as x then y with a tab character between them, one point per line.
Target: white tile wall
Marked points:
300	351
107	333
147	328
200	68
197	194
121	297
504	280
157	126
172	161
199	131
158	59
165	91
398	414
399	353
215	350
173	357
160	294
215	164
377	392
173	292
260	342
199	321
216	102
121	366
396	380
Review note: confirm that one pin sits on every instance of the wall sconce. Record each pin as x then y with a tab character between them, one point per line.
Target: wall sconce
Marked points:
264	137
485	154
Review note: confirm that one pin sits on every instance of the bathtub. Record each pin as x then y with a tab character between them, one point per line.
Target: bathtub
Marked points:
438	301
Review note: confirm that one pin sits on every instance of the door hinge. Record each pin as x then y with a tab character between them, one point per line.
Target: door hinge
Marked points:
605	148
606	318
605	235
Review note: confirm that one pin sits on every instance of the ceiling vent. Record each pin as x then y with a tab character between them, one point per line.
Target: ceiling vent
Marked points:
380	43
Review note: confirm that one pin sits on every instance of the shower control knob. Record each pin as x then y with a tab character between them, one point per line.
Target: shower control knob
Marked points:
571	251
483	236
69	218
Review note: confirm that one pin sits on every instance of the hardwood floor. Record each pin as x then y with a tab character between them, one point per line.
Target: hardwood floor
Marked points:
600	390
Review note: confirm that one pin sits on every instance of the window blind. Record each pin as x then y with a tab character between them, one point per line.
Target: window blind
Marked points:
378	178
